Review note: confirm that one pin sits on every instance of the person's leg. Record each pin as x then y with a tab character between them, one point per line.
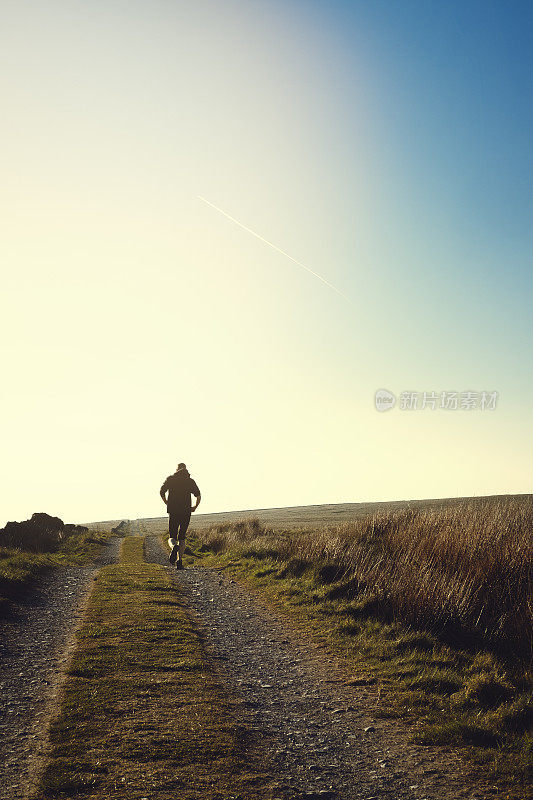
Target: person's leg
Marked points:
184	524
173	527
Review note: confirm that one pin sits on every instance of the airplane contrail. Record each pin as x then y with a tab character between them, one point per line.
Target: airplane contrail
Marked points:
278	249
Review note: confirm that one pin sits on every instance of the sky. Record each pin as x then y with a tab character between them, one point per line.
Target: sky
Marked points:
367	171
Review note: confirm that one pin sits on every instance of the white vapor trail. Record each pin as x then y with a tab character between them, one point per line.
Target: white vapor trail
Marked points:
278	249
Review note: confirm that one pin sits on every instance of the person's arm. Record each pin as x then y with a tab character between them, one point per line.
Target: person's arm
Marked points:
196	492
163	490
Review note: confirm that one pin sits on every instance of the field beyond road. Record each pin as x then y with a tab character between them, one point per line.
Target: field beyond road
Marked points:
325	515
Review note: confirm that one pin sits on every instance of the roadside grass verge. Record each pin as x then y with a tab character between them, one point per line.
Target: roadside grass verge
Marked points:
461	693
142	713
19	568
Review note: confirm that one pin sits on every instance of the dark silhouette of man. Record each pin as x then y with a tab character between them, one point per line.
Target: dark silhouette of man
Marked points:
179	486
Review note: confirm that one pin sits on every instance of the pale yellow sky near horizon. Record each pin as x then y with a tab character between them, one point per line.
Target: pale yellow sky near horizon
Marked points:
142	328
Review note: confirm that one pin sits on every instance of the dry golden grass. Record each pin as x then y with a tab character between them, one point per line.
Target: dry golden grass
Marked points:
464	571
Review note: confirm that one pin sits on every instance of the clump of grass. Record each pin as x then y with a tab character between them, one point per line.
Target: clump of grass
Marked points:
515	716
415	640
487	690
453	732
444	682
19	569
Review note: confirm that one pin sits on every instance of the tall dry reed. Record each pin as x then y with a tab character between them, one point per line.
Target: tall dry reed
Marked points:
464	570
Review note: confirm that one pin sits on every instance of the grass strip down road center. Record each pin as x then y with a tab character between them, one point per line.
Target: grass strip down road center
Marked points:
142	713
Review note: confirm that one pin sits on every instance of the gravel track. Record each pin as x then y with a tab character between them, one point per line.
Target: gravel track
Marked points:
302	707
34	648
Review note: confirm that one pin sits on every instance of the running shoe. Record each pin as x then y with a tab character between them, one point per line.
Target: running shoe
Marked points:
173	554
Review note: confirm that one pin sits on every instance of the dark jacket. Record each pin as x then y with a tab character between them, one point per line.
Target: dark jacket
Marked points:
180	486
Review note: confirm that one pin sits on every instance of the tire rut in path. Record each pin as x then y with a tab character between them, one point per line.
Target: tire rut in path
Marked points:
35	644
309	723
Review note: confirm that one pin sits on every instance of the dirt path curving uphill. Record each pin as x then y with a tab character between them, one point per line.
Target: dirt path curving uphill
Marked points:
35	645
317	732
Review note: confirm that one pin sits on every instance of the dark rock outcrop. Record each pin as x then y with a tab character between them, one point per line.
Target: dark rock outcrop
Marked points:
40	534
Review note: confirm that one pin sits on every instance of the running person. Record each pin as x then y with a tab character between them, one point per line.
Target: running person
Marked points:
179	486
